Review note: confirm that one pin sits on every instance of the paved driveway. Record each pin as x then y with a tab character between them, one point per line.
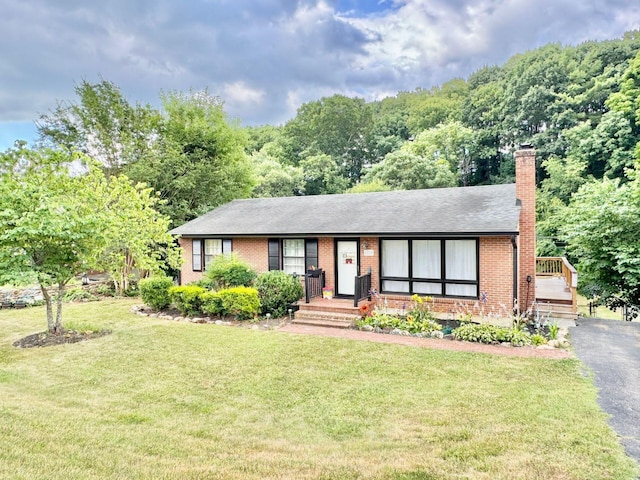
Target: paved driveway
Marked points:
611	349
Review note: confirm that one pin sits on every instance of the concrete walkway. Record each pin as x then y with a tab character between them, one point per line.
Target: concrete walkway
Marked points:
611	349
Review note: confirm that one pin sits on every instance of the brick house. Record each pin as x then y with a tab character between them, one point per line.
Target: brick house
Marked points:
457	245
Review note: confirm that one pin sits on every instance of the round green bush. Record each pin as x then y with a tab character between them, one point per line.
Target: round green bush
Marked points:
155	292
241	302
228	271
187	299
277	290
211	303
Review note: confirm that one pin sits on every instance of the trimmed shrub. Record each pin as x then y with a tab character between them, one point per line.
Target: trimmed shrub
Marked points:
187	299
277	290
228	271
211	303
155	292
487	333
241	302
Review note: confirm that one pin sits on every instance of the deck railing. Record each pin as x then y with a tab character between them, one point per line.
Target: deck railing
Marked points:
313	285
560	267
362	288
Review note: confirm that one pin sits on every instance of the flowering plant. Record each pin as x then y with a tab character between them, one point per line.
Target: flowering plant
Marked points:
365	310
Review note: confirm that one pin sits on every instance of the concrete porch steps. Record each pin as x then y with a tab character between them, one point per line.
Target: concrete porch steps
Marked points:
336	313
324	322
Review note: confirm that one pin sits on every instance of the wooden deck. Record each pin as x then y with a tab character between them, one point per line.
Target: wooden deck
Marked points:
553	289
554	301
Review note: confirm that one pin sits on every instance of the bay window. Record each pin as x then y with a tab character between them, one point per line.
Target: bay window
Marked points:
440	267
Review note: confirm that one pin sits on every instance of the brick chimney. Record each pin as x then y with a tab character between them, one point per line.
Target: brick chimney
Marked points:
526	194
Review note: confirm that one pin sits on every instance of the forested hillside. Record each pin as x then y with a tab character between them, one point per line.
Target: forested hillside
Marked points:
579	106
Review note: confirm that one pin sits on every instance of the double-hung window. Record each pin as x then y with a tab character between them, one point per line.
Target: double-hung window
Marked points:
204	250
212	248
293	255
440	267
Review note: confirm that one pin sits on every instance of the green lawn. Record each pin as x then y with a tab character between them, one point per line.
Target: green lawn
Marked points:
600	312
159	399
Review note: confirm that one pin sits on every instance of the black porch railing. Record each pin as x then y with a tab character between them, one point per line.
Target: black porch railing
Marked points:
362	288
313	285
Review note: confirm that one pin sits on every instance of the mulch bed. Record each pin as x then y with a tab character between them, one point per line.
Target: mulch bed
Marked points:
46	339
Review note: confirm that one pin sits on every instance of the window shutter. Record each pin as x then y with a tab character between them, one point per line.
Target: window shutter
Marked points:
196	255
226	246
274	254
311	253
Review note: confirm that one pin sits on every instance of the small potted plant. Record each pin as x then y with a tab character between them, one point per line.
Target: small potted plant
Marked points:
312	271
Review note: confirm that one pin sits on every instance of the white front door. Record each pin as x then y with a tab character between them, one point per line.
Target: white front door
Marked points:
347	262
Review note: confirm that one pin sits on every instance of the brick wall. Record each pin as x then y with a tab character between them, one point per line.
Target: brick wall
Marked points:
373	262
526	193
326	261
495	257
187	275
253	250
496	273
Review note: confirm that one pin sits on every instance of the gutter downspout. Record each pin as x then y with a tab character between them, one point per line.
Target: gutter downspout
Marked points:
515	272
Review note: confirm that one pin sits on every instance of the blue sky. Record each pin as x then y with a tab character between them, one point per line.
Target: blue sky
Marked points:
265	58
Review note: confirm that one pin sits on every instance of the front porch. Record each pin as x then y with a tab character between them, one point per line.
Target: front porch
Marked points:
555	297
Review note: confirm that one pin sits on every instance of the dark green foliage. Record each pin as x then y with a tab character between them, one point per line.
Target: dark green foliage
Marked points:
600	227
187	299
155	292
277	290
228	271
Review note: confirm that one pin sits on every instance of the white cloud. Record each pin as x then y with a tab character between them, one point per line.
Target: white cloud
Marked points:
266	57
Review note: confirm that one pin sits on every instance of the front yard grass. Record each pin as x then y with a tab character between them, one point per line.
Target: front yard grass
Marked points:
168	400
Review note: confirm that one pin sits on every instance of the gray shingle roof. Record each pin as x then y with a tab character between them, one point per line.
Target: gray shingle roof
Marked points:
481	210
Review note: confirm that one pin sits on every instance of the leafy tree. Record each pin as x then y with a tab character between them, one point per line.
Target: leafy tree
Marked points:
365	187
103	125
451	142
337	126
199	162
258	137
322	175
437	105
601	229
137	235
274	179
51	223
403	170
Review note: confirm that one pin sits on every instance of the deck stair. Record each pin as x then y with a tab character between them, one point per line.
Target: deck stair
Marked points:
554	300
337	313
